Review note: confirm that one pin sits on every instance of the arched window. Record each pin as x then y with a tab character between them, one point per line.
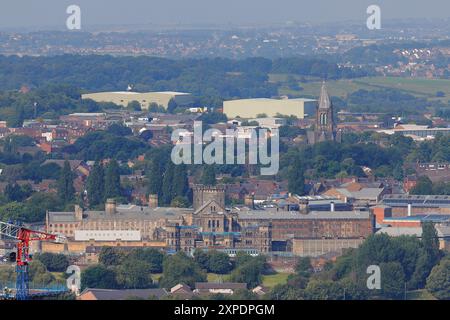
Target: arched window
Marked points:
323	119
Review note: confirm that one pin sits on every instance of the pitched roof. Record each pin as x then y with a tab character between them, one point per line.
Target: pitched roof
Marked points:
313	215
324	99
129	211
110	294
181	287
208	203
224	285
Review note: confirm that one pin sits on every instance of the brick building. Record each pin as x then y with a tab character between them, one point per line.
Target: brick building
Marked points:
209	225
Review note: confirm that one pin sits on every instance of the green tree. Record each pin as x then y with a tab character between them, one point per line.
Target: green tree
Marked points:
153	257
424	186
13	211
134	106
398	173
53	262
171	106
201	258
303	267
242	258
428	256
179	202
134	274
179	268
297	281
37	205
430	241
180	181
167	185
119	130
438	283
219	262
249	272
155	170
392	280
39	274
242	294
286	292
14	192
354	290
110	256
324	290
95	185
296	178
98	276
209	175
65	188
112	180
421	271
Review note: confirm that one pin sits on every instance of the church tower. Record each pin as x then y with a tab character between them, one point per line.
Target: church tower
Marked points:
324	115
325	129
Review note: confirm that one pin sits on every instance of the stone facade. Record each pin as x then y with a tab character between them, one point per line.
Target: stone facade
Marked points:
209	225
318	247
203	194
324	129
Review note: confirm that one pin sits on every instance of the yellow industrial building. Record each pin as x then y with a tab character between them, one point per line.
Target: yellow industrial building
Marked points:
251	108
123	98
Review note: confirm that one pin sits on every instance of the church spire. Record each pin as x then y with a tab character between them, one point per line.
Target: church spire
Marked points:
324	99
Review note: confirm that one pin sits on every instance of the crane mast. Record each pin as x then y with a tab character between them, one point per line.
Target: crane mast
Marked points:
24	236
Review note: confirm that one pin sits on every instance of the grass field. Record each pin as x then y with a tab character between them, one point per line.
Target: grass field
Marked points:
419	87
274	279
268	280
213	277
419	295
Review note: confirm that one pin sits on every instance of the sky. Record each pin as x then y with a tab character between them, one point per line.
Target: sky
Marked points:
51	14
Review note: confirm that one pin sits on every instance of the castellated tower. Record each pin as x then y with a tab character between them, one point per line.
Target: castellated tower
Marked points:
202	194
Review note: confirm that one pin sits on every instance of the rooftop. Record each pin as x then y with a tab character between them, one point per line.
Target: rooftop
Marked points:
313	215
109	294
270	99
172	93
421	218
123	212
224	285
364	193
442	231
416	200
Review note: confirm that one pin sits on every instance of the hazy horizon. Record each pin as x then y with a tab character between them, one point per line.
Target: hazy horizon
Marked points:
51	14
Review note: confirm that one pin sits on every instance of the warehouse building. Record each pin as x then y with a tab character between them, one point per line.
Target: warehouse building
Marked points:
123	98
252	108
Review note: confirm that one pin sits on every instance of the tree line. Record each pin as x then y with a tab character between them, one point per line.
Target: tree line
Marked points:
119	269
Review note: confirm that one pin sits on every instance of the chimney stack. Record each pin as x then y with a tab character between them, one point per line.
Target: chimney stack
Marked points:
153	201
78	213
249	201
303	206
110	207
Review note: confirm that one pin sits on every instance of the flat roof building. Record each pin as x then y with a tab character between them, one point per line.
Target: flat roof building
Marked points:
252	108
123	98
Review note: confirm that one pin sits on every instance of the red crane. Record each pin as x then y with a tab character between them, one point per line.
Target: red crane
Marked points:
23	257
